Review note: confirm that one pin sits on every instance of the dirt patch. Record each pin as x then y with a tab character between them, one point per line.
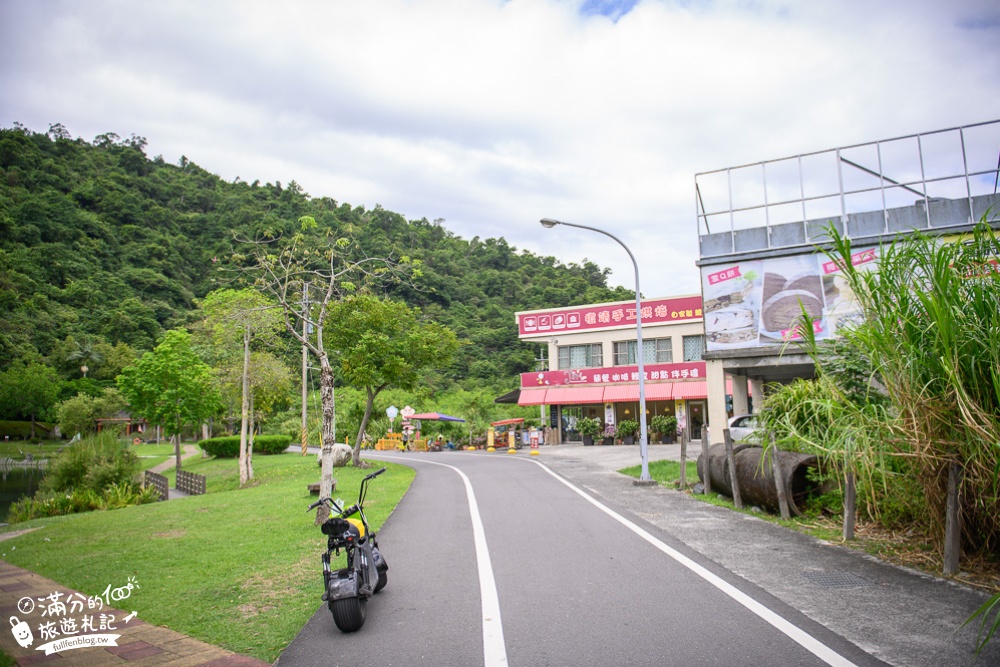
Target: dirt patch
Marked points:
171	534
266	590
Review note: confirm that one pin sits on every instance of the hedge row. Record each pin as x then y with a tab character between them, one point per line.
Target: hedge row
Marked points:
22	430
229	446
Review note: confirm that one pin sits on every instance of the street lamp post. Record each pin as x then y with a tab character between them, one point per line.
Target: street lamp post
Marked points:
549	223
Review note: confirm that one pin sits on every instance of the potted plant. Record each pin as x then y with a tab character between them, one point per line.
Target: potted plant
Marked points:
627	429
588	428
666	426
608	434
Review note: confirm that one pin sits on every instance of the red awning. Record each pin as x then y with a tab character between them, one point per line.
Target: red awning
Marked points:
622	393
531	397
574	395
657	391
690	390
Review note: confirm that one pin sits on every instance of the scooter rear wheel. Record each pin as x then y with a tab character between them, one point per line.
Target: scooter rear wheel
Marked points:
349	613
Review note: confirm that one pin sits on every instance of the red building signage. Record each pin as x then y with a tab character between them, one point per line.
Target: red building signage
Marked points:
689	370
607	316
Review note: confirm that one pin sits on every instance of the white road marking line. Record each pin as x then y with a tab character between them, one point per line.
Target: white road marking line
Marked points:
494	648
796	634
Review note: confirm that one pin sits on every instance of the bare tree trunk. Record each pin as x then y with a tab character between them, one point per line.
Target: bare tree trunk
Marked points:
326	435
177	444
245	412
252	438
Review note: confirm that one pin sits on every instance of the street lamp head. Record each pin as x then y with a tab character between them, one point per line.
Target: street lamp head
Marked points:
549	223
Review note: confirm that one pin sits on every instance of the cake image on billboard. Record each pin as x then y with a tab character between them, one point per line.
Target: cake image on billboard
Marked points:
792	287
731	297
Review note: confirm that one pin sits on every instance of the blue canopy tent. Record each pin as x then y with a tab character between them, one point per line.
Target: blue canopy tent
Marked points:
436	416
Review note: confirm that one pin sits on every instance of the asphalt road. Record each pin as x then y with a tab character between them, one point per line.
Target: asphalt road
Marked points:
577	581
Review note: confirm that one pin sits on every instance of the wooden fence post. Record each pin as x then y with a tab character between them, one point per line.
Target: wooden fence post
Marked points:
705	445
684	458
779	480
953	521
731	463
850	505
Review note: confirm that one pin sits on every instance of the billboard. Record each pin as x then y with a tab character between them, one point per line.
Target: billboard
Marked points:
607	316
760	302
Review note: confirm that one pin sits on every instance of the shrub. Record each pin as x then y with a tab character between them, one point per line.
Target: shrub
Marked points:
270	444
664	424
226	447
588	426
92	463
79	500
95	473
628	427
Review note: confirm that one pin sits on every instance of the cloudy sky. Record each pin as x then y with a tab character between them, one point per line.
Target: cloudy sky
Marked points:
492	114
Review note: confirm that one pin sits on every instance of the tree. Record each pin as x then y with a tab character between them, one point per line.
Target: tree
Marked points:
28	389
80	413
242	316
270	382
87	354
384	343
170	386
116	358
287	269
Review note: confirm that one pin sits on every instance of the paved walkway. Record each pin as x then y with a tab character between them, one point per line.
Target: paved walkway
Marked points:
139	643
189	451
903	617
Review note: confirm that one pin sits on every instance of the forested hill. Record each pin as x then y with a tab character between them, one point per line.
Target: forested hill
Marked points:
102	244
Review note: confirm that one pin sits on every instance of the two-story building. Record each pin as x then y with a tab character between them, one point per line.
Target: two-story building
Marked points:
589	363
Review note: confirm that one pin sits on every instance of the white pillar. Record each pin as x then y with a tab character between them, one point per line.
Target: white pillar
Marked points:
717	419
757	393
740	405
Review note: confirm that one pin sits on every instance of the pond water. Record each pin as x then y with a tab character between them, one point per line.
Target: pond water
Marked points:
15	483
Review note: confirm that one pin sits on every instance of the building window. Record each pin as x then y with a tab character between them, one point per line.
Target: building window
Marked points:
580	356
654	351
694	347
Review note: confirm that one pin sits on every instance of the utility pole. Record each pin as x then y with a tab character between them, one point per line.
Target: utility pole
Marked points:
305	369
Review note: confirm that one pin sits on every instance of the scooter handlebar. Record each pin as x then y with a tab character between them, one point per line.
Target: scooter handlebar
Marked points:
328	501
375	474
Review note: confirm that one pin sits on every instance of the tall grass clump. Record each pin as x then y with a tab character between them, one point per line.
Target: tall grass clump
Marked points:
915	385
99	472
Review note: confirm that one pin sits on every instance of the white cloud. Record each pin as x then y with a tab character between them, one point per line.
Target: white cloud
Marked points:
494	114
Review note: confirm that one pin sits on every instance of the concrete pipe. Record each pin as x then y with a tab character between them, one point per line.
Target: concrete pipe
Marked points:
756	481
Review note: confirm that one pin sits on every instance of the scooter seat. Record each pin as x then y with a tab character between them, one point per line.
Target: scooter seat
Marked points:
357	528
338	526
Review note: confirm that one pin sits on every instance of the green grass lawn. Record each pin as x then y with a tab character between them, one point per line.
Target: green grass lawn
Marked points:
153	455
16	449
667	473
238	568
664	472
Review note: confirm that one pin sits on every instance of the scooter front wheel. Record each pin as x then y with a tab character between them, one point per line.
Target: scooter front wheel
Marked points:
349	613
383	579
